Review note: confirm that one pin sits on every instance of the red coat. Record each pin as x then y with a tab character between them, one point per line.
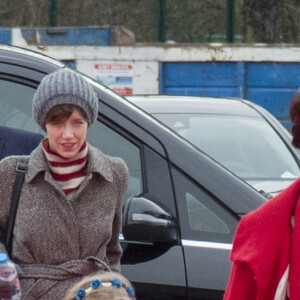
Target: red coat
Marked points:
263	247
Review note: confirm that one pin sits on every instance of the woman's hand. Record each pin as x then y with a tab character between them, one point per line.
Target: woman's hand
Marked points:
7	289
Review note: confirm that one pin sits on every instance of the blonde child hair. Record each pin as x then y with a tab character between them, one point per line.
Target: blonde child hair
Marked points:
102	286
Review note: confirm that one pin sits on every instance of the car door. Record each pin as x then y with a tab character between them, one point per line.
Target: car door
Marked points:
207	230
156	270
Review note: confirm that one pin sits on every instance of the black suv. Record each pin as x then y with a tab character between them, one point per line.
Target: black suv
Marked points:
181	208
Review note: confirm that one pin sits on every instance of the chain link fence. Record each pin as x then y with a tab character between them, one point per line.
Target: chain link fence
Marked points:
179	21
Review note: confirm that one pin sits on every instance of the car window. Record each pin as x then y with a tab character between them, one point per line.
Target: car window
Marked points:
202	217
112	143
16	112
247	146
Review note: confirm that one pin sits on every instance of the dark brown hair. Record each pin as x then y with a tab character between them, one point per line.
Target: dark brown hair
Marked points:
62	111
295	119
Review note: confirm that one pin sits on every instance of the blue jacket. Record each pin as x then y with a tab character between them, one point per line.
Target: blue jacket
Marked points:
17	142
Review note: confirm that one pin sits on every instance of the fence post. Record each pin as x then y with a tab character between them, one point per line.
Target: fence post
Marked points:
52	13
230	21
161	32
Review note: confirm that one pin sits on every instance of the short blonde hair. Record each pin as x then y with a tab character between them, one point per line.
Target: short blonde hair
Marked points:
108	291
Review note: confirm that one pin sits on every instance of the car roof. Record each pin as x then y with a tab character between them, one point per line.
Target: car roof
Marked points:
32	59
15	51
193	104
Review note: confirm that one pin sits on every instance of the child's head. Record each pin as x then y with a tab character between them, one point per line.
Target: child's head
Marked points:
102	286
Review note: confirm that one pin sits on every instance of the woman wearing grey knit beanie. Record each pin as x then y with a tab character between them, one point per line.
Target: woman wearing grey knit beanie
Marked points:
69	213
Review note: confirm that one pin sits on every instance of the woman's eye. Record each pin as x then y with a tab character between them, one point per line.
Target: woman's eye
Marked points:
79	122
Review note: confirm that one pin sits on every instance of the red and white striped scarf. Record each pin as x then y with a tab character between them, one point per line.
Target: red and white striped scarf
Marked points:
68	173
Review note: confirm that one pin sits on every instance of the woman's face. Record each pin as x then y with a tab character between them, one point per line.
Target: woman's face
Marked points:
67	135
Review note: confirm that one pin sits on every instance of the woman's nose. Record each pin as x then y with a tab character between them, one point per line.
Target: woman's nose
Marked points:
67	132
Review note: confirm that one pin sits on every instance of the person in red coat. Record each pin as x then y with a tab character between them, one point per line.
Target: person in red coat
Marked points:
266	246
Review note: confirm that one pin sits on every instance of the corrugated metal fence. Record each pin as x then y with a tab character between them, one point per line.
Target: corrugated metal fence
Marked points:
269	84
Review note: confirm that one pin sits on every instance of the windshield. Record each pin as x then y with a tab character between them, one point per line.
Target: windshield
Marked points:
248	146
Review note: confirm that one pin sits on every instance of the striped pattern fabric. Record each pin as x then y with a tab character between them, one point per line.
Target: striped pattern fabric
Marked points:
69	173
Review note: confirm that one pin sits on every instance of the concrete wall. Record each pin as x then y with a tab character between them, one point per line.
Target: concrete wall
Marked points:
145	61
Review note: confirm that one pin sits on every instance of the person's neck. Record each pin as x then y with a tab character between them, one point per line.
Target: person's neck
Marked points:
69	173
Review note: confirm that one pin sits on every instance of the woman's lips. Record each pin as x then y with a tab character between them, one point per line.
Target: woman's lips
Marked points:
68	146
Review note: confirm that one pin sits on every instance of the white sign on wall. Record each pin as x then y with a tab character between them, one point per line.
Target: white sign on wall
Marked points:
117	76
124	77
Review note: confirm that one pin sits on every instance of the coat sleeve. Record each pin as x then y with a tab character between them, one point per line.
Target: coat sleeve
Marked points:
114	249
242	283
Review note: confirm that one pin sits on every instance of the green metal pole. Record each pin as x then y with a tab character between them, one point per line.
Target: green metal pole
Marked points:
230	21
52	13
161	34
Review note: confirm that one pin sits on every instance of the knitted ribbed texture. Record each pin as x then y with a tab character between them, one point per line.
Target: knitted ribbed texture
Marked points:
68	173
64	86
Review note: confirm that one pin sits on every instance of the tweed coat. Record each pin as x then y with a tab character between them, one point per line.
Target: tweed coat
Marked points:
59	238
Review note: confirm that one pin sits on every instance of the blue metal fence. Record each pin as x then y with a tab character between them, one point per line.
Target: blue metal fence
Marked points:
62	36
269	84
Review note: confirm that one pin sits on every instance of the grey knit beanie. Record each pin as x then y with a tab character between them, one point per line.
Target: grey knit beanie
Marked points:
64	86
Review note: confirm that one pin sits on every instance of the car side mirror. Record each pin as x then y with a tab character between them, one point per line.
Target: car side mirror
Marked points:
145	221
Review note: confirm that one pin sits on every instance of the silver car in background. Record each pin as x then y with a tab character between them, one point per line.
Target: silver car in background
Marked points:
237	133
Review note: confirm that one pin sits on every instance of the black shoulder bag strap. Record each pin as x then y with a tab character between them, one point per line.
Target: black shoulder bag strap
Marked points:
21	169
